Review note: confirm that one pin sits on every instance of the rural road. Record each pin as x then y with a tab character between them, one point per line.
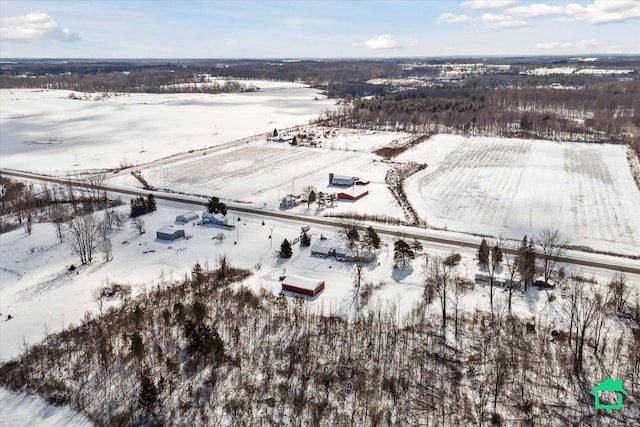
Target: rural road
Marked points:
579	258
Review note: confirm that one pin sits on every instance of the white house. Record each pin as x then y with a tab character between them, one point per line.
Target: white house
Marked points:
213	219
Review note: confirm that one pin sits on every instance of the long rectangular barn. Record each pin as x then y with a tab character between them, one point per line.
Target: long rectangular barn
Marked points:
303	286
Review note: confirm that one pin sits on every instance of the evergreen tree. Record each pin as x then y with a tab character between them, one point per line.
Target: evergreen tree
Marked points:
138	206
151	203
148	396
402	253
214	206
526	262
203	340
496	255
311	197
416	245
137	346
483	253
197	275
371	239
275	132
285	249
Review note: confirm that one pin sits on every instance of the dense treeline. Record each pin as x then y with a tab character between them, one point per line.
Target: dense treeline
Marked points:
142	81
607	113
198	352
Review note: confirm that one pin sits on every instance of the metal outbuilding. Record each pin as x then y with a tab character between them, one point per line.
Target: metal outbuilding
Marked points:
302	285
188	217
169	233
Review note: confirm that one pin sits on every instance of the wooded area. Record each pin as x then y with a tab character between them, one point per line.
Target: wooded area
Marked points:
202	353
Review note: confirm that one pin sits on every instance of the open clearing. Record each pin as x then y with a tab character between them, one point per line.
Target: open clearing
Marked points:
46	130
513	187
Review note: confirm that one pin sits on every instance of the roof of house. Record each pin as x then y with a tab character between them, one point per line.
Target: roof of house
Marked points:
302	282
319	249
217	216
167	229
609	385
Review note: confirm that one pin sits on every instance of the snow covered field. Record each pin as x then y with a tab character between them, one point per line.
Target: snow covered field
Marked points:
261	173
46	130
513	187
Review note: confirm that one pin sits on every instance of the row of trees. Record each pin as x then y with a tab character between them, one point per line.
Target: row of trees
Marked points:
311	195
141	206
518	263
601	113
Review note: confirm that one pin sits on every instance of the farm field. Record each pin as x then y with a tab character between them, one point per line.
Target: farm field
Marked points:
513	187
59	130
260	173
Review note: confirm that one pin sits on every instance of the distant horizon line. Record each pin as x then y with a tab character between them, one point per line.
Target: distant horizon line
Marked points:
300	59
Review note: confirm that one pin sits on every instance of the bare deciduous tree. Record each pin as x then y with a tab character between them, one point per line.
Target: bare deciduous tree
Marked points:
584	308
82	235
439	279
619	291
553	245
511	262
138	225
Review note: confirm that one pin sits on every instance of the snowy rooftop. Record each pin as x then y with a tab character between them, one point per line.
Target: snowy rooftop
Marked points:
168	229
302	282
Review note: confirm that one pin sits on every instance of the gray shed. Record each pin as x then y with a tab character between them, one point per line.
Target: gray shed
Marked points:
169	233
188	217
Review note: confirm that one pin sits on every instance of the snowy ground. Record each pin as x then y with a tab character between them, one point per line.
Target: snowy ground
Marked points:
513	187
480	185
45	130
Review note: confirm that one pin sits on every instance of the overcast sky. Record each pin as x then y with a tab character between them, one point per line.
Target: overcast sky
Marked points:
315	29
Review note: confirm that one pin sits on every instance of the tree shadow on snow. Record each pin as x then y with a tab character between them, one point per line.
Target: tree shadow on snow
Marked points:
398	274
532	296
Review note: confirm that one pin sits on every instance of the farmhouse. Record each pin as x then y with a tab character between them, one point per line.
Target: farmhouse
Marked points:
290	201
169	233
301	285
213	219
187	217
342	181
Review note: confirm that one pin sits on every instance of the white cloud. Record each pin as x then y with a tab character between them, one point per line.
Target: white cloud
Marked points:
33	27
534	10
497	22
383	41
553	45
589	43
604	11
488	4
451	18
582	44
